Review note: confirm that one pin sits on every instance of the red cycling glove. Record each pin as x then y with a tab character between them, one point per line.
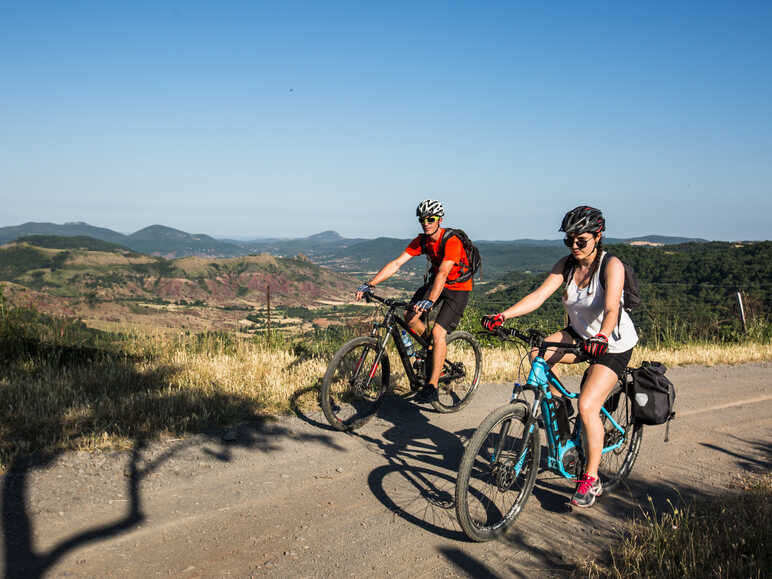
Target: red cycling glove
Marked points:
596	346
490	323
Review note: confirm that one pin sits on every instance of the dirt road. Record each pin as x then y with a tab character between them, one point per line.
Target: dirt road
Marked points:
291	498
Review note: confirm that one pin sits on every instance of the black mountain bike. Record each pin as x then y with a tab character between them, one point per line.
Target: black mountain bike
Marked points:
358	376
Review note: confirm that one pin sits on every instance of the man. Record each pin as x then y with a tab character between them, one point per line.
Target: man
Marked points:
445	269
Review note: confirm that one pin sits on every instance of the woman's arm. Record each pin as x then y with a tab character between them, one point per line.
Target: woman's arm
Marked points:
537	297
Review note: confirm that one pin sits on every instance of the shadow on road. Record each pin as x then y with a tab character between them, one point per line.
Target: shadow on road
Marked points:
418	483
21	558
555	545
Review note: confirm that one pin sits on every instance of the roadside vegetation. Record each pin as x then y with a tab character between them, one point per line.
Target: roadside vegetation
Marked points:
64	385
714	537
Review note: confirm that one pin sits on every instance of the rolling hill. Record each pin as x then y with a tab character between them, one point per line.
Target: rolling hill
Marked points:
103	282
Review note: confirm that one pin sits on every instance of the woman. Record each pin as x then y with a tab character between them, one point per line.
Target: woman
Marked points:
596	320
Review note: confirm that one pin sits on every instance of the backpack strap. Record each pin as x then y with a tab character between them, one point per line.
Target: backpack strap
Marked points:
568	269
602	268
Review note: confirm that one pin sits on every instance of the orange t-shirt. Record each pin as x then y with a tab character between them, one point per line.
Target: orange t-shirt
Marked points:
454	251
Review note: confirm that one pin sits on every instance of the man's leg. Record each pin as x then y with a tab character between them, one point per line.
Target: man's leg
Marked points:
412	318
416	324
451	311
439	350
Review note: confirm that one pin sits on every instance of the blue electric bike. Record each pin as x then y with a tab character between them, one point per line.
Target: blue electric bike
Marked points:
499	467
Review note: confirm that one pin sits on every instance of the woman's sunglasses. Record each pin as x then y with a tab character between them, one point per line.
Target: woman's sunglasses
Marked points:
580	243
430	219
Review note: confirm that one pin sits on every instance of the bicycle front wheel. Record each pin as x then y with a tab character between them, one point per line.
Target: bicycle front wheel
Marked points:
461	373
497	473
616	464
354	384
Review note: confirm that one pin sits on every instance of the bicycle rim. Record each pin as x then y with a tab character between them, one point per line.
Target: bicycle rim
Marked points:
496	475
353	387
461	375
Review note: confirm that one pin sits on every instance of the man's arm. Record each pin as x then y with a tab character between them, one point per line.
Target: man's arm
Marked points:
388	270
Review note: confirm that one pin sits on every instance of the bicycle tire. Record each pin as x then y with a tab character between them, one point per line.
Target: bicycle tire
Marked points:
456	390
480	481
345	404
616	465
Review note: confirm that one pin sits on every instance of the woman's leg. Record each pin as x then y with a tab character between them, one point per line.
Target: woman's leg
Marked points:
598	384
554	356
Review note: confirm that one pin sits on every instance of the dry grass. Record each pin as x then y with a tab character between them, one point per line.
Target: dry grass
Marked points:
720	537
61	396
57	398
501	364
84	259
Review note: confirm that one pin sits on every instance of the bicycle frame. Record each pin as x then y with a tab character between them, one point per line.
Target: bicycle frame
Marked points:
392	324
540	378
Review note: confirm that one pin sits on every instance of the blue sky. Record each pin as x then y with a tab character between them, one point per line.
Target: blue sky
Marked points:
286	119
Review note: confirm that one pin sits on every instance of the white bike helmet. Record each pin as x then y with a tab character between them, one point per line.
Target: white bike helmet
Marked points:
430	207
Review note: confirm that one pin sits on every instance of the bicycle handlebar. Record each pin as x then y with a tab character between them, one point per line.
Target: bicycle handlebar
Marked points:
385	301
534	339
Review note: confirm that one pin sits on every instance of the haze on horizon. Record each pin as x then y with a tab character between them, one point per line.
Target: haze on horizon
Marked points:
285	120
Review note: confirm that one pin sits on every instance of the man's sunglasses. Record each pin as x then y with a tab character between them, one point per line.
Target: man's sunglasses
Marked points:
580	243
430	219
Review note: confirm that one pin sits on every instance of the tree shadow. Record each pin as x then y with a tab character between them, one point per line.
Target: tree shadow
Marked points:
763	447
135	404
313	418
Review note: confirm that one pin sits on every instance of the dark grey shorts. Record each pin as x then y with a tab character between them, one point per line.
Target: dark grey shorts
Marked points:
451	308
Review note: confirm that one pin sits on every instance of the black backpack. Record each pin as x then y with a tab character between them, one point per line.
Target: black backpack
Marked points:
472	254
632	292
653	395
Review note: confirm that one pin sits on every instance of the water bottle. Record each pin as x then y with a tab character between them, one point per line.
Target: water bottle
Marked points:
408	343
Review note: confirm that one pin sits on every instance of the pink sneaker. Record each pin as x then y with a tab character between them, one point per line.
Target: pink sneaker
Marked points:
587	489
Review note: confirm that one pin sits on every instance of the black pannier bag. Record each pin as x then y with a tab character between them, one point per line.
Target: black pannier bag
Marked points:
653	395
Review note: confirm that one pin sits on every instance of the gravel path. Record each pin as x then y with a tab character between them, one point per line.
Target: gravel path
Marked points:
291	498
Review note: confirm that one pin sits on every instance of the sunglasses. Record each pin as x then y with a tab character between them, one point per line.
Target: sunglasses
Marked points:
430	219
580	243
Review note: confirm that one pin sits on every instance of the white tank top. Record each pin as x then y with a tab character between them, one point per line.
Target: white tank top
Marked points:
585	309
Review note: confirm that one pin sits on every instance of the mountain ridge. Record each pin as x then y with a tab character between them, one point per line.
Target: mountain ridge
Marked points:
355	256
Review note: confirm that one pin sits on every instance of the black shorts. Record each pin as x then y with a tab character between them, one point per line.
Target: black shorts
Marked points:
452	304
616	362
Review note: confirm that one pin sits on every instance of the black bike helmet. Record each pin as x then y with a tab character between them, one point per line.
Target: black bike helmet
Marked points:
583	219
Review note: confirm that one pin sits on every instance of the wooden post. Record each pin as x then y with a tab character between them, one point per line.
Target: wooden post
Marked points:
742	310
268	307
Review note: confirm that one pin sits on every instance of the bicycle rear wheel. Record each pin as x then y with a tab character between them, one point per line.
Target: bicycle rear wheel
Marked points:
354	385
463	365
616	464
497	473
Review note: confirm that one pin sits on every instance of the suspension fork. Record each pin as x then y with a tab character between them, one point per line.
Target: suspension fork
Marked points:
381	348
530	423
